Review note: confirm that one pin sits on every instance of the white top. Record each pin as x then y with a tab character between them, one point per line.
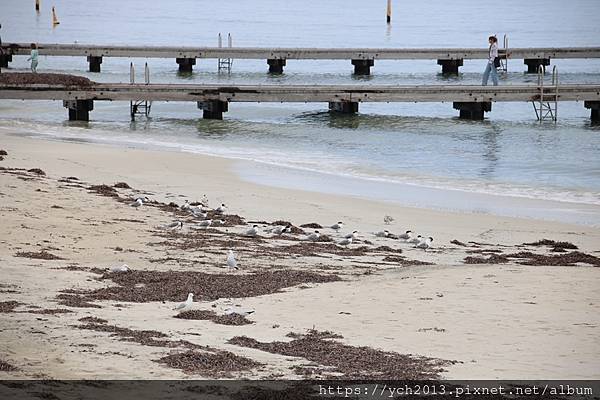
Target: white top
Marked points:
493	53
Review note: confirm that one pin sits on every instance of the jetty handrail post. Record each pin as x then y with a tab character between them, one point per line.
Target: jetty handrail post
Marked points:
146	74
131	73
555	84
505	53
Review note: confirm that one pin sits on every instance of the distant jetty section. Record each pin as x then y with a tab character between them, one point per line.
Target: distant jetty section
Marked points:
450	59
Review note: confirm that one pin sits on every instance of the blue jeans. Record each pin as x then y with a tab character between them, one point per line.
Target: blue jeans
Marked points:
486	74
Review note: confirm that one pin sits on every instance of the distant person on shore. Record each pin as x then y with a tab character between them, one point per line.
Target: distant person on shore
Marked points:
33	58
493	62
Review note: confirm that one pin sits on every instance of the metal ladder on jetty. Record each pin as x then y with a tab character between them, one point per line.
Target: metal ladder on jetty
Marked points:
225	64
504	57
139	107
545	104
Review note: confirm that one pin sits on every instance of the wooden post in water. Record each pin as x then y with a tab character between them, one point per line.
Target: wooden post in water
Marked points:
389	11
55	20
37	5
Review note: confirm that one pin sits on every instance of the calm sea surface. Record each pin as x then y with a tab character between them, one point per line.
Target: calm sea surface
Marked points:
425	145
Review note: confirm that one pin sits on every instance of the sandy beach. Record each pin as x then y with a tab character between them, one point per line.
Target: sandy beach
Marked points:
486	302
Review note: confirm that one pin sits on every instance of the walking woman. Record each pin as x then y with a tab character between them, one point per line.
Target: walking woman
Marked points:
493	62
33	57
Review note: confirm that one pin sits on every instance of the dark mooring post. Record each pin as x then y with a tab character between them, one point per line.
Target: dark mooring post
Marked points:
95	62
450	66
343	107
213	109
276	65
185	64
533	64
362	67
4	60
79	110
472	110
595	107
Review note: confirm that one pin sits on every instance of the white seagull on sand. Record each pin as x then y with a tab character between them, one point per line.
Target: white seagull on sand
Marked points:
174	225
231	262
413	240
231	310
205	224
353	235
405	235
137	203
185	304
252	231
425	243
314	236
338	226
185	206
385	233
122	268
345	241
221	209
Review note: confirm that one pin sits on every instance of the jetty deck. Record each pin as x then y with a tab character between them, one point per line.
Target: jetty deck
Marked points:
471	100
362	58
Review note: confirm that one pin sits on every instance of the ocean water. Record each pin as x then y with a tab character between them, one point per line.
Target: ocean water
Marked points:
421	145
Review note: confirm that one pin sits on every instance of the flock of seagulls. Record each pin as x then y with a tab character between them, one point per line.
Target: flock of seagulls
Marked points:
201	211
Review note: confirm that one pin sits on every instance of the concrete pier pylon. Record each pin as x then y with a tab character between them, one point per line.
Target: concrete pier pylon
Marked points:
343	107
185	64
363	67
472	110
79	110
276	65
594	106
213	109
450	66
94	62
533	64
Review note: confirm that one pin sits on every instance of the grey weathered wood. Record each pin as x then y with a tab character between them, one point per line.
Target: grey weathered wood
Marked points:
296	93
296	53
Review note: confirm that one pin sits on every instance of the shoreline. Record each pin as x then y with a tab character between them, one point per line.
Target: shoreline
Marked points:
408	195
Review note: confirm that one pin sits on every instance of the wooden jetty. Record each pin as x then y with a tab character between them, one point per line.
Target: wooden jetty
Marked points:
471	100
361	58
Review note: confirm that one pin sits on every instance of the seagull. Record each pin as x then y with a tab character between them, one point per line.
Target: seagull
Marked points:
137	203
205	224
197	212
425	244
413	240
345	241
252	231
231	311
388	219
338	226
220	222
122	268
278	230
185	206
174	225
314	236
352	235
231	262
221	209
187	303
405	235
385	233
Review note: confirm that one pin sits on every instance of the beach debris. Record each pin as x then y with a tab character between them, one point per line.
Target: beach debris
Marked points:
558	247
9	306
388	219
122	185
313	237
185	304
336	227
312	225
425	243
349	362
6	367
36	171
3	153
492	259
121	268
231	261
216	363
94	320
459	243
104	190
207	315
39	255
28	78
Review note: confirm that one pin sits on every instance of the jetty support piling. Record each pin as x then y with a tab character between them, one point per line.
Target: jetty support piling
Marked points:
450	66
213	109
276	65
343	107
363	67
594	106
79	110
94	62
4	60
533	64
185	64
472	110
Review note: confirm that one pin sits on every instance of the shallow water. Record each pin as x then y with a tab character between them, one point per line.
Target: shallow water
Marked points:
416	144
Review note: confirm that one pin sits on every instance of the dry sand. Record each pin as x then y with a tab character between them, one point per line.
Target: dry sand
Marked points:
507	321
